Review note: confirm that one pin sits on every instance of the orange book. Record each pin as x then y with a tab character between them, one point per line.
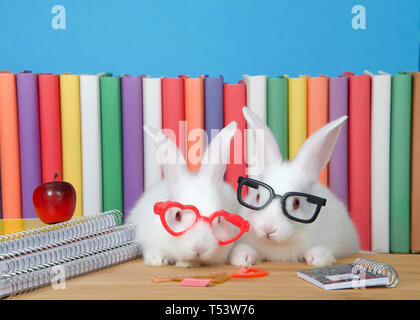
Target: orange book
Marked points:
415	165
318	111
9	148
194	117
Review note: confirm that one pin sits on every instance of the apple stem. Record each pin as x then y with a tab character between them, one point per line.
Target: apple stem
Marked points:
56	174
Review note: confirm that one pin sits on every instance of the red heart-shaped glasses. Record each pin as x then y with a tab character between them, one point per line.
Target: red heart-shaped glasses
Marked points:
177	219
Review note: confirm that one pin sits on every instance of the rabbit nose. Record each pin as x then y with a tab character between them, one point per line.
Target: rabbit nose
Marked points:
199	250
268	231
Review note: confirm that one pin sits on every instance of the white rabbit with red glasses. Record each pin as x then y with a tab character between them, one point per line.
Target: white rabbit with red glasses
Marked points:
188	218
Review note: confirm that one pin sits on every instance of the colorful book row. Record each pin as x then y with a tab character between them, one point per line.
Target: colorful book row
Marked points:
89	129
373	168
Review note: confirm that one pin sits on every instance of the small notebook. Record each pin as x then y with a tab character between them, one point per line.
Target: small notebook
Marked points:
361	274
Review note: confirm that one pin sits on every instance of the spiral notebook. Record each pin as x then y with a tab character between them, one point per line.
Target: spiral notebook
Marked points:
61	231
32	258
361	273
41	276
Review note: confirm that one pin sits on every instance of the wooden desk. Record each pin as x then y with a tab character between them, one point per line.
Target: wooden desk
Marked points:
132	281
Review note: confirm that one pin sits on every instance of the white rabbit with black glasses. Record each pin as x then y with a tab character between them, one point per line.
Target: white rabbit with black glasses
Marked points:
293	217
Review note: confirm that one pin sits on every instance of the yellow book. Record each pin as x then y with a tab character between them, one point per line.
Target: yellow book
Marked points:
71	136
12	225
297	114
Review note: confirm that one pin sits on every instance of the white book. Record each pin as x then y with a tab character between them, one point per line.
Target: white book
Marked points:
256	99
90	118
380	141
152	115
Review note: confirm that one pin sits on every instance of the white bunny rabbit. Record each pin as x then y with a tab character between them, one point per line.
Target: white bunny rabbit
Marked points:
206	190
275	237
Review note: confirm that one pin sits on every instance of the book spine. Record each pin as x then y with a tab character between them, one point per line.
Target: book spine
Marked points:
152	115
29	139
256	99
338	165
132	125
234	99
359	157
50	126
318	112
9	148
380	135
297	114
213	106
173	113
194	117
277	112
400	161
112	175
256	95
90	117
415	165
71	136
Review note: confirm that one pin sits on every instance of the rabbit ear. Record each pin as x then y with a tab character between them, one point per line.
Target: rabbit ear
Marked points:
170	158
216	156
270	148
315	153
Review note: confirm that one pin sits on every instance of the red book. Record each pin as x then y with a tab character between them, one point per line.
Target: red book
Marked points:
173	110
50	126
234	99
359	156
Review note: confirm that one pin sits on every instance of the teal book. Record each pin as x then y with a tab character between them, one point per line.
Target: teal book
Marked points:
277	113
400	162
111	136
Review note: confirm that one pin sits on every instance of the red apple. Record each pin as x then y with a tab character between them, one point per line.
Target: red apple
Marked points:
54	201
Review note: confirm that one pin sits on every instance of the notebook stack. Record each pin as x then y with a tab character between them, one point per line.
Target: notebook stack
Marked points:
39	257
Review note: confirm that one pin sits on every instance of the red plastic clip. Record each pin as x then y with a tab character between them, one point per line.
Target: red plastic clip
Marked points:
246	272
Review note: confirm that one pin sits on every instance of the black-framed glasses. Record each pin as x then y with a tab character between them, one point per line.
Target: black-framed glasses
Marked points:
297	206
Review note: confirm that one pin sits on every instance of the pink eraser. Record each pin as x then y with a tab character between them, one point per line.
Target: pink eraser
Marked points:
194	282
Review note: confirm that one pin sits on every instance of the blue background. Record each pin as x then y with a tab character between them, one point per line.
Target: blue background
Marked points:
228	37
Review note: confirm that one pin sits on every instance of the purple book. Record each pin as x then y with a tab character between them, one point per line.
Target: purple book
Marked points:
132	127
29	139
338	166
213	105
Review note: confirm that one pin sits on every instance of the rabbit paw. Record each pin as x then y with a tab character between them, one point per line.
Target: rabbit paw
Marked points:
244	256
319	257
155	260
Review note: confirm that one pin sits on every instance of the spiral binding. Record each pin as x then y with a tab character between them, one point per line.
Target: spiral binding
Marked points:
60	231
33	256
19	282
379	269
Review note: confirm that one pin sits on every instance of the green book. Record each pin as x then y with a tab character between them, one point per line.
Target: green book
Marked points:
112	174
400	161
277	118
